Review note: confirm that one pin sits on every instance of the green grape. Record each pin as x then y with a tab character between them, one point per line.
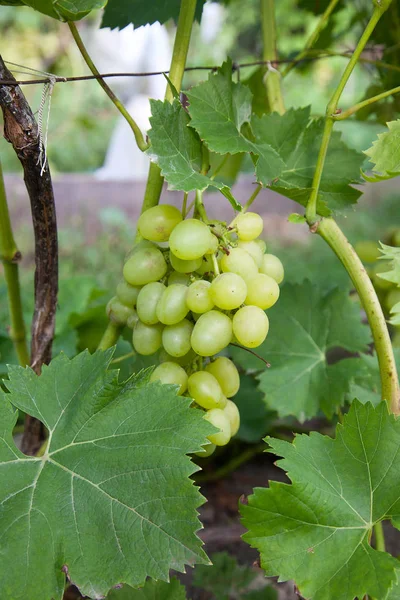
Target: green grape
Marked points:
226	374
240	262
196	316
262	291
379	283
250	326
367	250
172	306
262	245
176	338
117	312
157	223
220	420
205	390
272	266
170	372
142	245
190	239
183	361
127	294
228	291
144	266
206	265
206	451
254	249
147	339
214	245
233	414
212	333
181	278
198	298
147	301
184	266
132	320
249	226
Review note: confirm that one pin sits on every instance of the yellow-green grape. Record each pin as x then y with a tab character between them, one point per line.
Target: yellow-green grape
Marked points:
147	339
147	301
249	226
206	451
254	249
272	266
143	244
262	291
117	312
183	361
228	291
181	278
240	262
214	245
184	266
198	297
212	333
176	338
127	294
206	265
262	245
132	320
250	326
205	390
171	372
220	420
379	283
232	411
226	374
368	251
157	223
144	266
172	307
190	239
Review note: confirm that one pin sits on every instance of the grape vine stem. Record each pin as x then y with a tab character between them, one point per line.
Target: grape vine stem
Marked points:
353	109
272	77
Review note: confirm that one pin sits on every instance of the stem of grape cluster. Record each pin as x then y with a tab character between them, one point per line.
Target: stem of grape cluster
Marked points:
272	77
199	206
110	336
252	198
184	204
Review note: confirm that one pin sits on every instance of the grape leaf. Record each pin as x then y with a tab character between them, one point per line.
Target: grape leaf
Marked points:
385	153
316	530
110	502
366	385
304	325
177	150
152	590
395	314
66	10
121	13
393	254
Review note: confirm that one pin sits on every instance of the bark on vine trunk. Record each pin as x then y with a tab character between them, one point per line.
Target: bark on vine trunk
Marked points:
21	130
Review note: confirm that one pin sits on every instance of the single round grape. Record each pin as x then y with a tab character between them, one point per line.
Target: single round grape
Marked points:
220	420
240	262
262	291
367	250
233	414
253	249
147	301
132	320
228	291
170	372
183	361
262	245
142	245
144	266
190	239
205	390
212	333
147	339
226	374
272	266
127	294
379	282
206	451
250	326
214	245
181	278
184	266
249	226
206	265
176	338
172	307
198	298
157	223
117	312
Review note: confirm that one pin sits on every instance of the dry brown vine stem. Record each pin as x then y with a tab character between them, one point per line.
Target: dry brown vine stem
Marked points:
21	130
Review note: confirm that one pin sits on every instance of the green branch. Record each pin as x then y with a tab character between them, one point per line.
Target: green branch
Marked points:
110	336
10	256
379	537
272	76
353	109
142	145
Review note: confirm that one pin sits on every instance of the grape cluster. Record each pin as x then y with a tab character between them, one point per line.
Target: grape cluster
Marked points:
190	289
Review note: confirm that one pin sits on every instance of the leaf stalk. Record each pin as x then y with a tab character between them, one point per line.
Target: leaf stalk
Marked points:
353	109
272	77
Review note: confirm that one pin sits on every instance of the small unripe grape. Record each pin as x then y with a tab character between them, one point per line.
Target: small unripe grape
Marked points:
212	333
220	420
232	412
183	361
181	278
228	291
240	262
214	245
368	251
262	291
132	320
249	226
127	294
147	339
198	298
205	390
117	312
172	307
170	372
379	282
206	265
250	326
392	298
190	239
184	266
147	301
157	223
262	245
253	249
226	374
272	266
206	451
144	266
176	338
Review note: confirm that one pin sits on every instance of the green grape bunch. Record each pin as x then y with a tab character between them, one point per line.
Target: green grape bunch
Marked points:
190	289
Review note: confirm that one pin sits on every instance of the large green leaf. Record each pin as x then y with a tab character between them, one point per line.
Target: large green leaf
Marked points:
392	254
120	13
110	502
66	10
304	325
152	590
385	153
